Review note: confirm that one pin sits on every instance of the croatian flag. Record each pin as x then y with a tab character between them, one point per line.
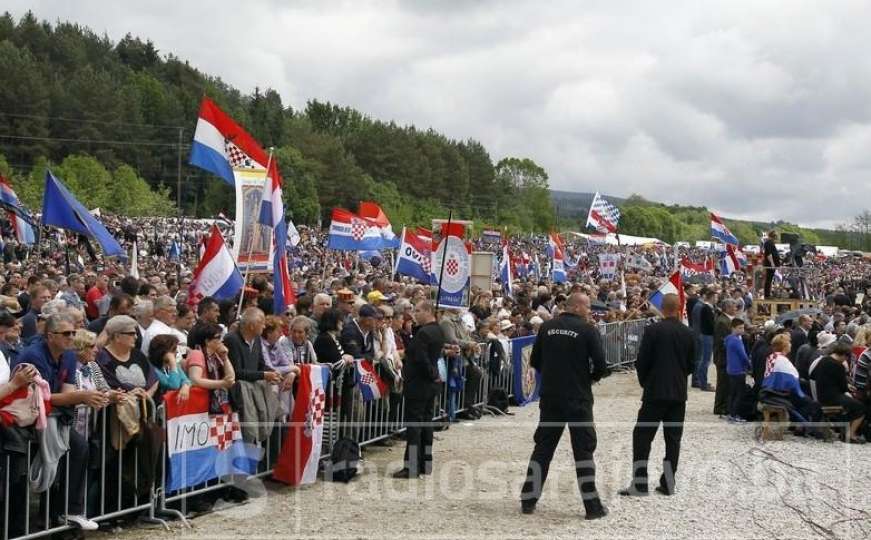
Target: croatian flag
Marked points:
505	270
203	446
689	269
557	253
721	232
371	385
372	212
272	215
414	258
301	450
349	232
221	145
672	286
729	263
216	274
19	218
424	234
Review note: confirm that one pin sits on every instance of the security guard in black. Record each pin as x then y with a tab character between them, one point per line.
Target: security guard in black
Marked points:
568	353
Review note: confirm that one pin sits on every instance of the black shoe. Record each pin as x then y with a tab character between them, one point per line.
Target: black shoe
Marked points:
404	474
632	491
527	507
598	513
663	491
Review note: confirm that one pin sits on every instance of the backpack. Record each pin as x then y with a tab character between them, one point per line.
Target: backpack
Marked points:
343	460
498	398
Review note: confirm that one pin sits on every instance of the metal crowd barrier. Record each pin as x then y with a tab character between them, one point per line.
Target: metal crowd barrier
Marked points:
368	423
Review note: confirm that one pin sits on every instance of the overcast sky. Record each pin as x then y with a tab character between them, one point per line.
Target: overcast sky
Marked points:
756	109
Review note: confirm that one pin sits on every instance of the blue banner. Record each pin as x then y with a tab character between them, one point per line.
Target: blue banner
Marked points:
521	352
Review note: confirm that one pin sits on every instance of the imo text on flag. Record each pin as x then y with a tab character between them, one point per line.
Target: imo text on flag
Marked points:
221	145
350	232
505	270
557	253
674	285
272	216
301	449
456	279
371	211
62	210
721	232
216	274
603	215
414	258
204	446
371	385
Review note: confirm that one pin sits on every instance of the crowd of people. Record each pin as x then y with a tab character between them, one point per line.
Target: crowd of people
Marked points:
80	333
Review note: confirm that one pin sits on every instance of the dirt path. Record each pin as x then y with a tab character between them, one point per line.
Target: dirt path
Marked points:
728	487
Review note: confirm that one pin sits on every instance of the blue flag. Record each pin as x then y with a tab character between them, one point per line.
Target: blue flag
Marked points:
61	209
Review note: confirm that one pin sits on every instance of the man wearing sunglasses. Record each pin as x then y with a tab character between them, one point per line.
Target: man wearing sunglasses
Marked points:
55	360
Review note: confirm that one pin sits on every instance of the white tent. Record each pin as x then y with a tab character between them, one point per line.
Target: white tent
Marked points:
625	239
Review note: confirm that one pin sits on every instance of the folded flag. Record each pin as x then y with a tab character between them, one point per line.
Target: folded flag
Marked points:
721	232
350	232
221	145
216	274
301	450
203	446
62	210
371	385
672	286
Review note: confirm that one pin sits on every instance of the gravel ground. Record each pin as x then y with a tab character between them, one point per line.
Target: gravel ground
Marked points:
728	486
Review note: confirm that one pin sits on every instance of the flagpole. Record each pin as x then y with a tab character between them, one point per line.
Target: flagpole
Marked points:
395	261
444	255
254	240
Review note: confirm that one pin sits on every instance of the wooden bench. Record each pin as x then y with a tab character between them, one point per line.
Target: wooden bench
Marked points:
829	413
775	420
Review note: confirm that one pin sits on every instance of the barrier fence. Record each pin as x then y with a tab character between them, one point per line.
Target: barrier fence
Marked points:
125	482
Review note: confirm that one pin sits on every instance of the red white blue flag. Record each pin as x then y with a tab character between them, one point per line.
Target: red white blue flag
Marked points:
414	258
350	232
721	232
221	145
203	446
557	252
272	215
371	385
301	450
216	274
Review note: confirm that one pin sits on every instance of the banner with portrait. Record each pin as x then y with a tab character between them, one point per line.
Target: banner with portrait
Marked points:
252	244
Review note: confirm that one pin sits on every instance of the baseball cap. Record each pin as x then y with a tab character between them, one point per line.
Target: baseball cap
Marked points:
368	310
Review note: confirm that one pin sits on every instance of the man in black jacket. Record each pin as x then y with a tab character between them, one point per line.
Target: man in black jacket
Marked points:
420	376
722	328
568	353
705	331
665	360
245	352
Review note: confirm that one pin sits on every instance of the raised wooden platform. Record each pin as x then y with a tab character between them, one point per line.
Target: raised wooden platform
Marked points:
763	310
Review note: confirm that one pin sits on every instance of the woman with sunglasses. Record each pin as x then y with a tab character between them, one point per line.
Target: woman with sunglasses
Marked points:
124	366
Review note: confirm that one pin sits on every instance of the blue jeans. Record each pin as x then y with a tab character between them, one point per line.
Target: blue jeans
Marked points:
704	349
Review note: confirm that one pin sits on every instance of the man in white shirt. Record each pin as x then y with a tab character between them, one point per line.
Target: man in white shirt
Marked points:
164	319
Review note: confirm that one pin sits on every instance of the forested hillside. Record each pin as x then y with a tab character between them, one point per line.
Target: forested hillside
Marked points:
100	113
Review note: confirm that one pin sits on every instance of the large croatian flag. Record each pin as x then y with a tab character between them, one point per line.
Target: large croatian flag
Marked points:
371	385
730	262
721	232
204	446
374	213
301	450
221	145
414	258
272	215
349	232
216	275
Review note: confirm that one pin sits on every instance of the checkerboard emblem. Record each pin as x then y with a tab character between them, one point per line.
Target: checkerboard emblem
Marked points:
452	267
358	229
224	429
237	158
315	415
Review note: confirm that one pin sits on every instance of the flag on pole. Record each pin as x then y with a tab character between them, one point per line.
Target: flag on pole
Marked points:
505	270
415	257
301	450
61	209
371	211
603	216
350	232
674	285
134	260
557	254
293	237
19	217
216	274
721	232
729	262
272	215
221	145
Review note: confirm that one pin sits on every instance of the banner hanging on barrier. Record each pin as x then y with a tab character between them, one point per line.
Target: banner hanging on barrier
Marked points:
525	391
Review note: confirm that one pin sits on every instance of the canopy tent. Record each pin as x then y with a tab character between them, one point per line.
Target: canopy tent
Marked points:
625	239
